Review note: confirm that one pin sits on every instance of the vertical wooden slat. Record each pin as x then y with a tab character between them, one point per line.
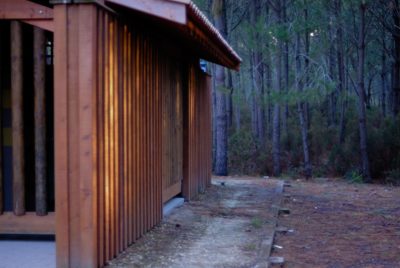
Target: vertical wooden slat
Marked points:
125	136
112	139
138	157
135	136
60	136
2	78
135	60
150	134
17	119
130	134
153	166
157	145
39	43
141	140
120	142
125	143
116	176
107	141
146	130
101	139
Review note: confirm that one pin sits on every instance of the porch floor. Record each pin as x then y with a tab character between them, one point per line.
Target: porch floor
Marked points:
32	254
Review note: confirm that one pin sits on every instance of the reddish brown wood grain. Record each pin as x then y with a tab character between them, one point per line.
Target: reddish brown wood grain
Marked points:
60	136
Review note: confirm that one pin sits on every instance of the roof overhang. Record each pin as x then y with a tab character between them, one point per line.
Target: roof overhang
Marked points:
192	23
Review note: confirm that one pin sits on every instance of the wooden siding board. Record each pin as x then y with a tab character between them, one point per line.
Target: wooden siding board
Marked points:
100	141
60	136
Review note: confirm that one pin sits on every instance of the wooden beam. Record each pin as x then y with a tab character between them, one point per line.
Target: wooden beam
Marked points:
39	79
17	119
47	25
168	10
30	223
24	10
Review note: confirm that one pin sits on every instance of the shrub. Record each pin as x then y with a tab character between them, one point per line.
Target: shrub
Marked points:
245	155
393	177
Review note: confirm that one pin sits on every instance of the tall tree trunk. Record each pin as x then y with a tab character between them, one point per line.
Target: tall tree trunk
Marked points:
300	110
334	94
258	115
268	77
341	68
221	161
286	78
383	76
253	94
276	131
307	114
214	120
361	95
237	106
396	57
229	105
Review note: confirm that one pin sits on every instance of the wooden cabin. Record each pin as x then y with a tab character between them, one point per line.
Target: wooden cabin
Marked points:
106	115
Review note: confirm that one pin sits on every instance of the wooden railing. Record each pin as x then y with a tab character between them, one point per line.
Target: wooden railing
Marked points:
25	80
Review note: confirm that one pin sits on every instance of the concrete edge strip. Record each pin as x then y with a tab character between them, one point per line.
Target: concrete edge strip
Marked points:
172	204
267	243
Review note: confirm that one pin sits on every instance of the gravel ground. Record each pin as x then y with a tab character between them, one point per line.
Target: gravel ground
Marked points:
228	226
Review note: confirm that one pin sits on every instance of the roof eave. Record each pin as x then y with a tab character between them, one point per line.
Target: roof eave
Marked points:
186	14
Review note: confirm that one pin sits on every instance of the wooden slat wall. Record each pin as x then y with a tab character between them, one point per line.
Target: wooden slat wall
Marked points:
197	135
114	81
129	135
172	77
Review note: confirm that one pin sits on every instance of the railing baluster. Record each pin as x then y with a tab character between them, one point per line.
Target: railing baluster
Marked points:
39	43
17	119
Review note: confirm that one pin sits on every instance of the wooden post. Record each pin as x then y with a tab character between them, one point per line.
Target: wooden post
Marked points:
39	43
17	119
75	126
1	125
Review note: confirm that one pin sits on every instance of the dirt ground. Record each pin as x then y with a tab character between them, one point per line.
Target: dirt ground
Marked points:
336	224
228	226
